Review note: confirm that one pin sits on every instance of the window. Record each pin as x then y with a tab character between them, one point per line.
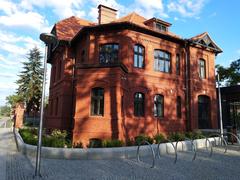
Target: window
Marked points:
178	66
161	27
97	101
179	107
202	68
83	56
108	54
162	61
138	56
158	105
139	104
56	107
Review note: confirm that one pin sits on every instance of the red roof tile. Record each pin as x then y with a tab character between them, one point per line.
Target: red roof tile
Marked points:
68	28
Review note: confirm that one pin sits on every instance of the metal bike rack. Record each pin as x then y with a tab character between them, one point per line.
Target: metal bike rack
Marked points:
222	140
210	144
194	148
238	140
153	154
158	150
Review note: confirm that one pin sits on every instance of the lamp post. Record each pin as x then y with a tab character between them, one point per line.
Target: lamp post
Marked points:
220	105
47	38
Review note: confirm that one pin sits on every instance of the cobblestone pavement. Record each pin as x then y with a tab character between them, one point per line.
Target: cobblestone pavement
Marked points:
219	166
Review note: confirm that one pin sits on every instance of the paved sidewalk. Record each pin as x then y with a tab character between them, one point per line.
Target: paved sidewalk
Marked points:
15	166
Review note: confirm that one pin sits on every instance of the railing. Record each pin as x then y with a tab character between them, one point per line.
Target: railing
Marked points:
153	154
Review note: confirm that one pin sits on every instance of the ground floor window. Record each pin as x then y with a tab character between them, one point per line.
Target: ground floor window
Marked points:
139	104
97	101
158	105
204	113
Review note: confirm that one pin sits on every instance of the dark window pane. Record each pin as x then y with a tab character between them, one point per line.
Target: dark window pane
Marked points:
179	108
202	69
162	61
108	54
158	106
178	64
97	102
139	104
138	56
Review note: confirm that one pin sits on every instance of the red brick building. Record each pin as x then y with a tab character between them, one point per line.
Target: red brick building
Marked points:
122	77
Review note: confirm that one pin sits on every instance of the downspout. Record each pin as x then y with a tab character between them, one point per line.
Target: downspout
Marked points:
187	86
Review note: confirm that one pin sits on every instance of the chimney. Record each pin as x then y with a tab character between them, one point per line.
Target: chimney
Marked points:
106	14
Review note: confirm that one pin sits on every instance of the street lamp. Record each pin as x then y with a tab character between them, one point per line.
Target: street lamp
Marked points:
220	105
47	38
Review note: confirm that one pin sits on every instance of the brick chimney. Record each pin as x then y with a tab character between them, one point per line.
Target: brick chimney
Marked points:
106	14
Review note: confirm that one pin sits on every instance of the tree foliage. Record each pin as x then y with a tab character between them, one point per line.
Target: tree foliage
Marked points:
229	75
30	81
12	100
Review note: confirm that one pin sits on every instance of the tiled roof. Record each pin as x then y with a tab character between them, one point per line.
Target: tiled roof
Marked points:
199	36
68	28
139	20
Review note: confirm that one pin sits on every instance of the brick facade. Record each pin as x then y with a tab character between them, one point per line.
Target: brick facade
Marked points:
76	71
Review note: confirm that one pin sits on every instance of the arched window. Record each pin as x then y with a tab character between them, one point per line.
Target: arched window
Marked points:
179	107
139	104
139	55
202	68
97	101
108	54
158	105
162	61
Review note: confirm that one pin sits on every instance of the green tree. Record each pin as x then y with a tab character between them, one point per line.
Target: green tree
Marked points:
30	81
229	75
5	110
12	100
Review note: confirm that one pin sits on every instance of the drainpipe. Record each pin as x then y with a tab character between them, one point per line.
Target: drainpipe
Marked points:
187	85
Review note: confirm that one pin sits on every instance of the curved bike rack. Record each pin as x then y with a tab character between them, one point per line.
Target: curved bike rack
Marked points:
153	154
238	140
174	147
210	144
222	140
194	148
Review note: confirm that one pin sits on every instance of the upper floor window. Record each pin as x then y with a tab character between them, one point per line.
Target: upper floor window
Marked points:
139	56
108	54
179	107
161	27
162	61
139	104
202	68
158	105
97	101
59	69
178	65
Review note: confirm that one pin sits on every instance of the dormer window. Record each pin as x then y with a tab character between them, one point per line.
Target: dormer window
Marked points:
157	24
161	27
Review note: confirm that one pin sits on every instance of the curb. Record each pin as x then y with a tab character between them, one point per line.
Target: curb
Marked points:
102	153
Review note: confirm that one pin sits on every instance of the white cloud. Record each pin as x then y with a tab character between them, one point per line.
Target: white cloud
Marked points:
150	8
238	51
186	8
62	9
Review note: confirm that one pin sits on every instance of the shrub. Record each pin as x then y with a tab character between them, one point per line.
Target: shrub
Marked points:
176	136
139	139
198	134
29	136
130	142
112	143
189	135
159	138
95	143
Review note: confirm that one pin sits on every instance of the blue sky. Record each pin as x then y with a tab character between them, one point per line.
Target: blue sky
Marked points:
22	21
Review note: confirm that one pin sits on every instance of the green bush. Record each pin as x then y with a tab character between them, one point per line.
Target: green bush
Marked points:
130	142
189	135
198	134
176	136
159	138
56	139
78	145
112	143
140	138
